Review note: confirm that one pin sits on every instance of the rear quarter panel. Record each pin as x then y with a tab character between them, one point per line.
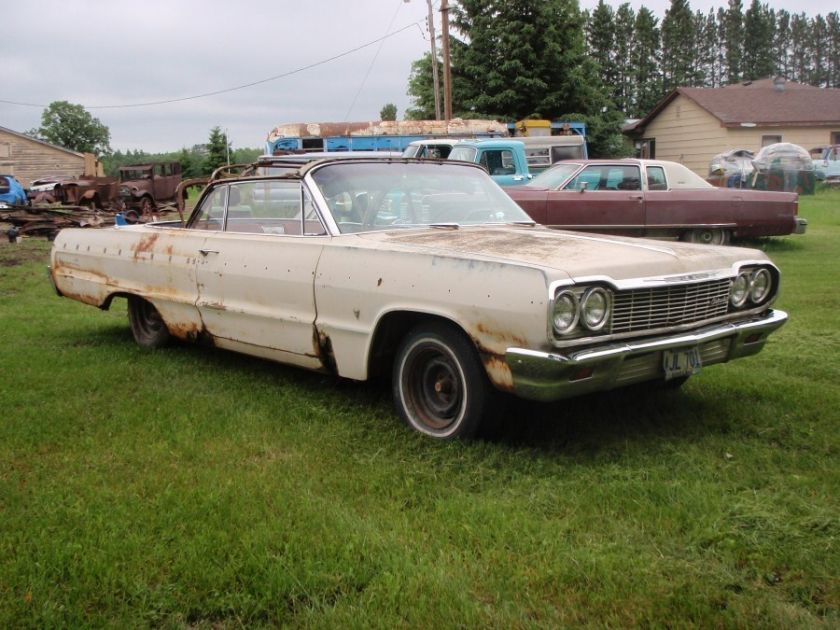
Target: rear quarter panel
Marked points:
157	264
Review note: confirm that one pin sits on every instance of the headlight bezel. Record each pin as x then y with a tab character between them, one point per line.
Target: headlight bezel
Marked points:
748	279
575	297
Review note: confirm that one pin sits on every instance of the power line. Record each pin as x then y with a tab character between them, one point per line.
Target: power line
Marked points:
238	87
370	66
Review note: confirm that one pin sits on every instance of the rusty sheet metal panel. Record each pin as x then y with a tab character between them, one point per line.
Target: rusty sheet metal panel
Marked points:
456	127
155	263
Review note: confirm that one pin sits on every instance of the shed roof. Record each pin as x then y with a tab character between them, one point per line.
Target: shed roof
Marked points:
765	103
23	136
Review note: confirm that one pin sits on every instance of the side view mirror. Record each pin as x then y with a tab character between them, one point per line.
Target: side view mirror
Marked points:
583	186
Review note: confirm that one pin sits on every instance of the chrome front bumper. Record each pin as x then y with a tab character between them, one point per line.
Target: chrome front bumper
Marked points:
552	376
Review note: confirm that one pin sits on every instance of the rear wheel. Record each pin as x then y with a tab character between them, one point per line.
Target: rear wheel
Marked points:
707	236
147	325
440	387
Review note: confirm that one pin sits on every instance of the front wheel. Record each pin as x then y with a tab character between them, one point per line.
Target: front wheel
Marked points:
707	236
440	387
147	325
146	205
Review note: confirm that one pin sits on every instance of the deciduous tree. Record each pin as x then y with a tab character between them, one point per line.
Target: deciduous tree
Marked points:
71	126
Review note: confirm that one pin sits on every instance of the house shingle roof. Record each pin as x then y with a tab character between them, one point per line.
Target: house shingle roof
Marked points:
761	103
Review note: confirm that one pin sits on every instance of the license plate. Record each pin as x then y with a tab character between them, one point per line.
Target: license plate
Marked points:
681	362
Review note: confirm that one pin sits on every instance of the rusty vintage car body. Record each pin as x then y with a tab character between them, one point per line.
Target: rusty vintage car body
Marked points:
143	186
425	270
654	198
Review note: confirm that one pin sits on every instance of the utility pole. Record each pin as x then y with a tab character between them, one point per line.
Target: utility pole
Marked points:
447	76
435	82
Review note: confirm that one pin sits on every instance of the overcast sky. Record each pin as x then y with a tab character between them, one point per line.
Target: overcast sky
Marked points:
114	52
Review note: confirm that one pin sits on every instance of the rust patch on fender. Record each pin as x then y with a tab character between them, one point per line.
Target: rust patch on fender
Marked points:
499	371
500	337
146	244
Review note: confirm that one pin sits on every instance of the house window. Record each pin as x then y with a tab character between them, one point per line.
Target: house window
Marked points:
646	148
5	150
766	140
835	137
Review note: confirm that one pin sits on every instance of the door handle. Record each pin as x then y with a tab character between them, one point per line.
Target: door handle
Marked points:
638	197
204	252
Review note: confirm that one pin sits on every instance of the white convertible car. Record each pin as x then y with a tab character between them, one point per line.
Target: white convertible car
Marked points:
429	272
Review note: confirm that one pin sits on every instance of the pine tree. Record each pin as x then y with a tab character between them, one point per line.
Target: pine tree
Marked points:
734	41
624	93
217	150
832	21
706	47
800	47
819	52
646	63
600	43
720	55
521	58
781	44
678	44
759	25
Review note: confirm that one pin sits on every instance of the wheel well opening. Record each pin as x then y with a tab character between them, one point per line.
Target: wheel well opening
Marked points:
389	332
106	305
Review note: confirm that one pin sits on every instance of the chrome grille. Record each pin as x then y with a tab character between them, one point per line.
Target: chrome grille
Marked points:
658	307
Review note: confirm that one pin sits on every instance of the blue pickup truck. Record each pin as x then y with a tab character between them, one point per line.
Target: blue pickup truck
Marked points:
11	191
504	159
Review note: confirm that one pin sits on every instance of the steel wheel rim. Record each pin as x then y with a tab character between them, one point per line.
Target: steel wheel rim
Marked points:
149	320
433	385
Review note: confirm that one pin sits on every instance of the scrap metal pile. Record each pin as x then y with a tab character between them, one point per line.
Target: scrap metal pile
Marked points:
48	220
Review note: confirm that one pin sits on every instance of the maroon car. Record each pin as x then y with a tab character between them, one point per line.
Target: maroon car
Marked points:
653	198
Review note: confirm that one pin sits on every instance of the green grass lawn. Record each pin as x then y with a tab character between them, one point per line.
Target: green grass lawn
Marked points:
193	487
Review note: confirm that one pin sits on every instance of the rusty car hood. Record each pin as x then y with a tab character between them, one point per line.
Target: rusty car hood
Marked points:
571	253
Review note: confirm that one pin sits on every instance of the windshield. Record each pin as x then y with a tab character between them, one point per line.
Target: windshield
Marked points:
376	196
555	176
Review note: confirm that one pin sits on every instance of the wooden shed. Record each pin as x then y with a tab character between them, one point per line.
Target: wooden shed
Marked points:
692	125
27	158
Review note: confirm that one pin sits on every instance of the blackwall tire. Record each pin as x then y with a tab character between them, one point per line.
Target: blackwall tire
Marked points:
147	325
440	387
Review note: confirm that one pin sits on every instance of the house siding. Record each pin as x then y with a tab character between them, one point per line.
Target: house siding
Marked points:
687	134
28	159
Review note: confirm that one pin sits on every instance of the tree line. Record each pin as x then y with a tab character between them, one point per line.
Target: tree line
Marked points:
642	60
549	59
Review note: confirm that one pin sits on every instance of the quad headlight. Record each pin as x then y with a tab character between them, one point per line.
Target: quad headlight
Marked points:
566	312
760	285
581	308
753	285
740	290
595	308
